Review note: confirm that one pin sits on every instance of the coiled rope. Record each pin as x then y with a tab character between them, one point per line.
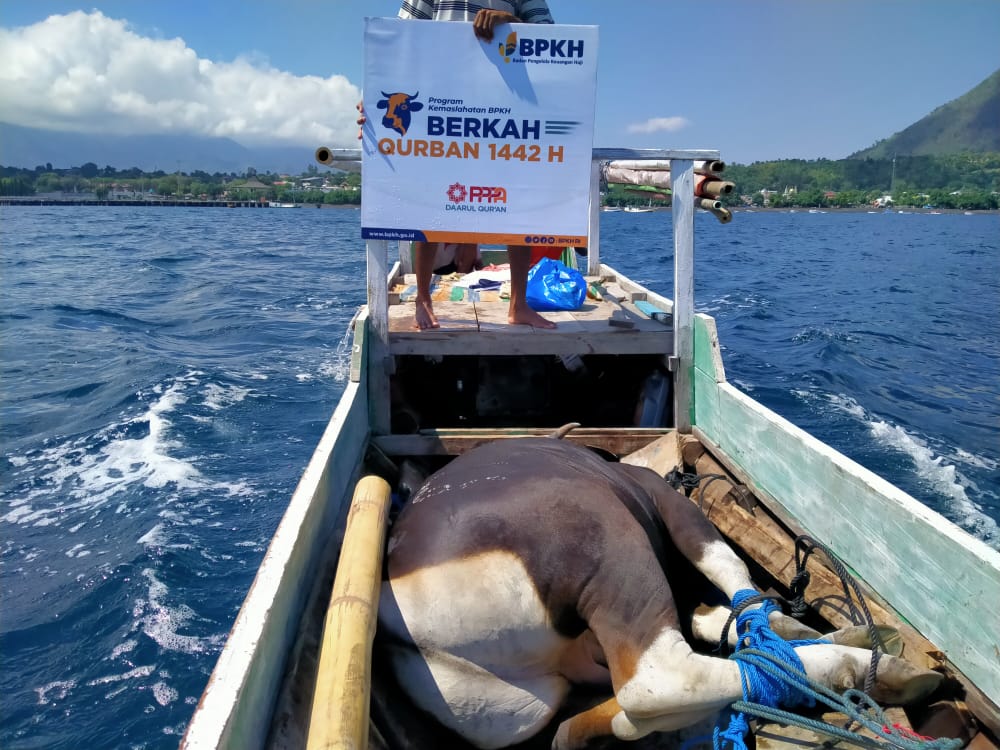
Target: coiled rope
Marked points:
772	675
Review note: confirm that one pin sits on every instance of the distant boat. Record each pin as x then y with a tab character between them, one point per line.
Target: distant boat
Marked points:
611	208
284	205
639	209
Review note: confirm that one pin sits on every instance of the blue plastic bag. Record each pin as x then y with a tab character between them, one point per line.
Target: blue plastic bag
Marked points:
555	286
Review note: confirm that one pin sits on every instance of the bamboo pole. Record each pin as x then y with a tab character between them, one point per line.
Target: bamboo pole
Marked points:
339	717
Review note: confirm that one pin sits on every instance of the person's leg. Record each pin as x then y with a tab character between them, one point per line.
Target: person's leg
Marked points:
465	258
423	261
519	312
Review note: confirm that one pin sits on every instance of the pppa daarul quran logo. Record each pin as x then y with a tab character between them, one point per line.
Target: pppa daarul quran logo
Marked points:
398	108
489	198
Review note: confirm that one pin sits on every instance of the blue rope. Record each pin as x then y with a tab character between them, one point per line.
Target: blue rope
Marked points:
772	674
762	686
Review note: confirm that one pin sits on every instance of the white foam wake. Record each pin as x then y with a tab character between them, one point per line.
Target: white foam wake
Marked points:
937	470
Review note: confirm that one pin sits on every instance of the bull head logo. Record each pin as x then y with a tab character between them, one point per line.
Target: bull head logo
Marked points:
397	108
507	48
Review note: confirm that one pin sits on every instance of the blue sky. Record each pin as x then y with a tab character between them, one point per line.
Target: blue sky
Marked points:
756	79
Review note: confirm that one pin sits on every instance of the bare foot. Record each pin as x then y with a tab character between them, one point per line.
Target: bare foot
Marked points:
527	317
424	317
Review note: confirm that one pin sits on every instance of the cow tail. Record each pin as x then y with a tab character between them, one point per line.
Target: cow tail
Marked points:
564	430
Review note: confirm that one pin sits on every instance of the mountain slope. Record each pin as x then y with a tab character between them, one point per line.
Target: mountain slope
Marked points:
970	123
29	147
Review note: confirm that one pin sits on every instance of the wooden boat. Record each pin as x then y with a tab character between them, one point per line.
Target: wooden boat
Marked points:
639	371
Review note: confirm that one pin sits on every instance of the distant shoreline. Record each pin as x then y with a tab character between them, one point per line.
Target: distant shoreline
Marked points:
167	203
27	201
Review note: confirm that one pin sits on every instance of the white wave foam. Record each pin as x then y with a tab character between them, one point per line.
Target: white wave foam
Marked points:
90	478
164	694
935	470
154	537
124	647
218	397
849	406
143	671
161	622
59	689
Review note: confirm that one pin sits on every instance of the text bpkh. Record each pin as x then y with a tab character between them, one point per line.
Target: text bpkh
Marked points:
567	48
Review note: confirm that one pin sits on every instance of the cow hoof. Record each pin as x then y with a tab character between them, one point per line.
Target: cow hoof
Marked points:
899	682
859	637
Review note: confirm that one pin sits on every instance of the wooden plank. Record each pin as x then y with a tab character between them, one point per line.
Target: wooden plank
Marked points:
594	220
771	736
620	441
593	311
453	316
493	318
935	575
664	303
567	322
663	455
765	540
523	340
378	343
707	356
359	347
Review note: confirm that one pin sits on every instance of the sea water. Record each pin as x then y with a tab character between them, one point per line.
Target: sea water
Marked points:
166	373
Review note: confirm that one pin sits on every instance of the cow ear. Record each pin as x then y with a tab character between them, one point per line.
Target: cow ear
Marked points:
415	106
383	104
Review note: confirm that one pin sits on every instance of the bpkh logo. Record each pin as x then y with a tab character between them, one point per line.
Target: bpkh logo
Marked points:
528	48
476	198
398	108
507	48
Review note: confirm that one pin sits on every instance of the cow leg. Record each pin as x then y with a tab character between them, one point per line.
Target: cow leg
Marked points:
707	624
608	718
595	722
693	534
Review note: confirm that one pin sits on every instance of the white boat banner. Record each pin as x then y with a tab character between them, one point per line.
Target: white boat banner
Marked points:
473	141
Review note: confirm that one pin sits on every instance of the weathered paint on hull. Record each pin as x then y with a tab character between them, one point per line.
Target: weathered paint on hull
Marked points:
931	572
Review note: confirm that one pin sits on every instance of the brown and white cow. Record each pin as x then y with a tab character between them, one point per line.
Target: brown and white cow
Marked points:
527	566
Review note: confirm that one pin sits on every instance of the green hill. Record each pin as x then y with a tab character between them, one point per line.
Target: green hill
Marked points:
969	124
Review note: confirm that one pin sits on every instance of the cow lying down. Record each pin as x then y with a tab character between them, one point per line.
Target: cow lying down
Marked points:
527	566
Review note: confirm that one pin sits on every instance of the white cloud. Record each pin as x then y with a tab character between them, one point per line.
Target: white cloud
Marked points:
86	72
659	125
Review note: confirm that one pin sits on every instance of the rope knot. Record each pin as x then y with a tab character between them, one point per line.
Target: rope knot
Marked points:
797	588
754	631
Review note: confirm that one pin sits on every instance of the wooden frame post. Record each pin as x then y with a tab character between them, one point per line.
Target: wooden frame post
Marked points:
594	228
379	364
682	187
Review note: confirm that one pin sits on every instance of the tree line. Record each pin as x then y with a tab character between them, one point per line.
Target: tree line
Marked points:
110	182
966	181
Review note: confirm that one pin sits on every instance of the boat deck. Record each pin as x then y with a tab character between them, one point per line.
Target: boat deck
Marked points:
473	322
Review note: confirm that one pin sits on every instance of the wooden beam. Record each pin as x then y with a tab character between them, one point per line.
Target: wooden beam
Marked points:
339	717
594	239
619	441
682	173
646	337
